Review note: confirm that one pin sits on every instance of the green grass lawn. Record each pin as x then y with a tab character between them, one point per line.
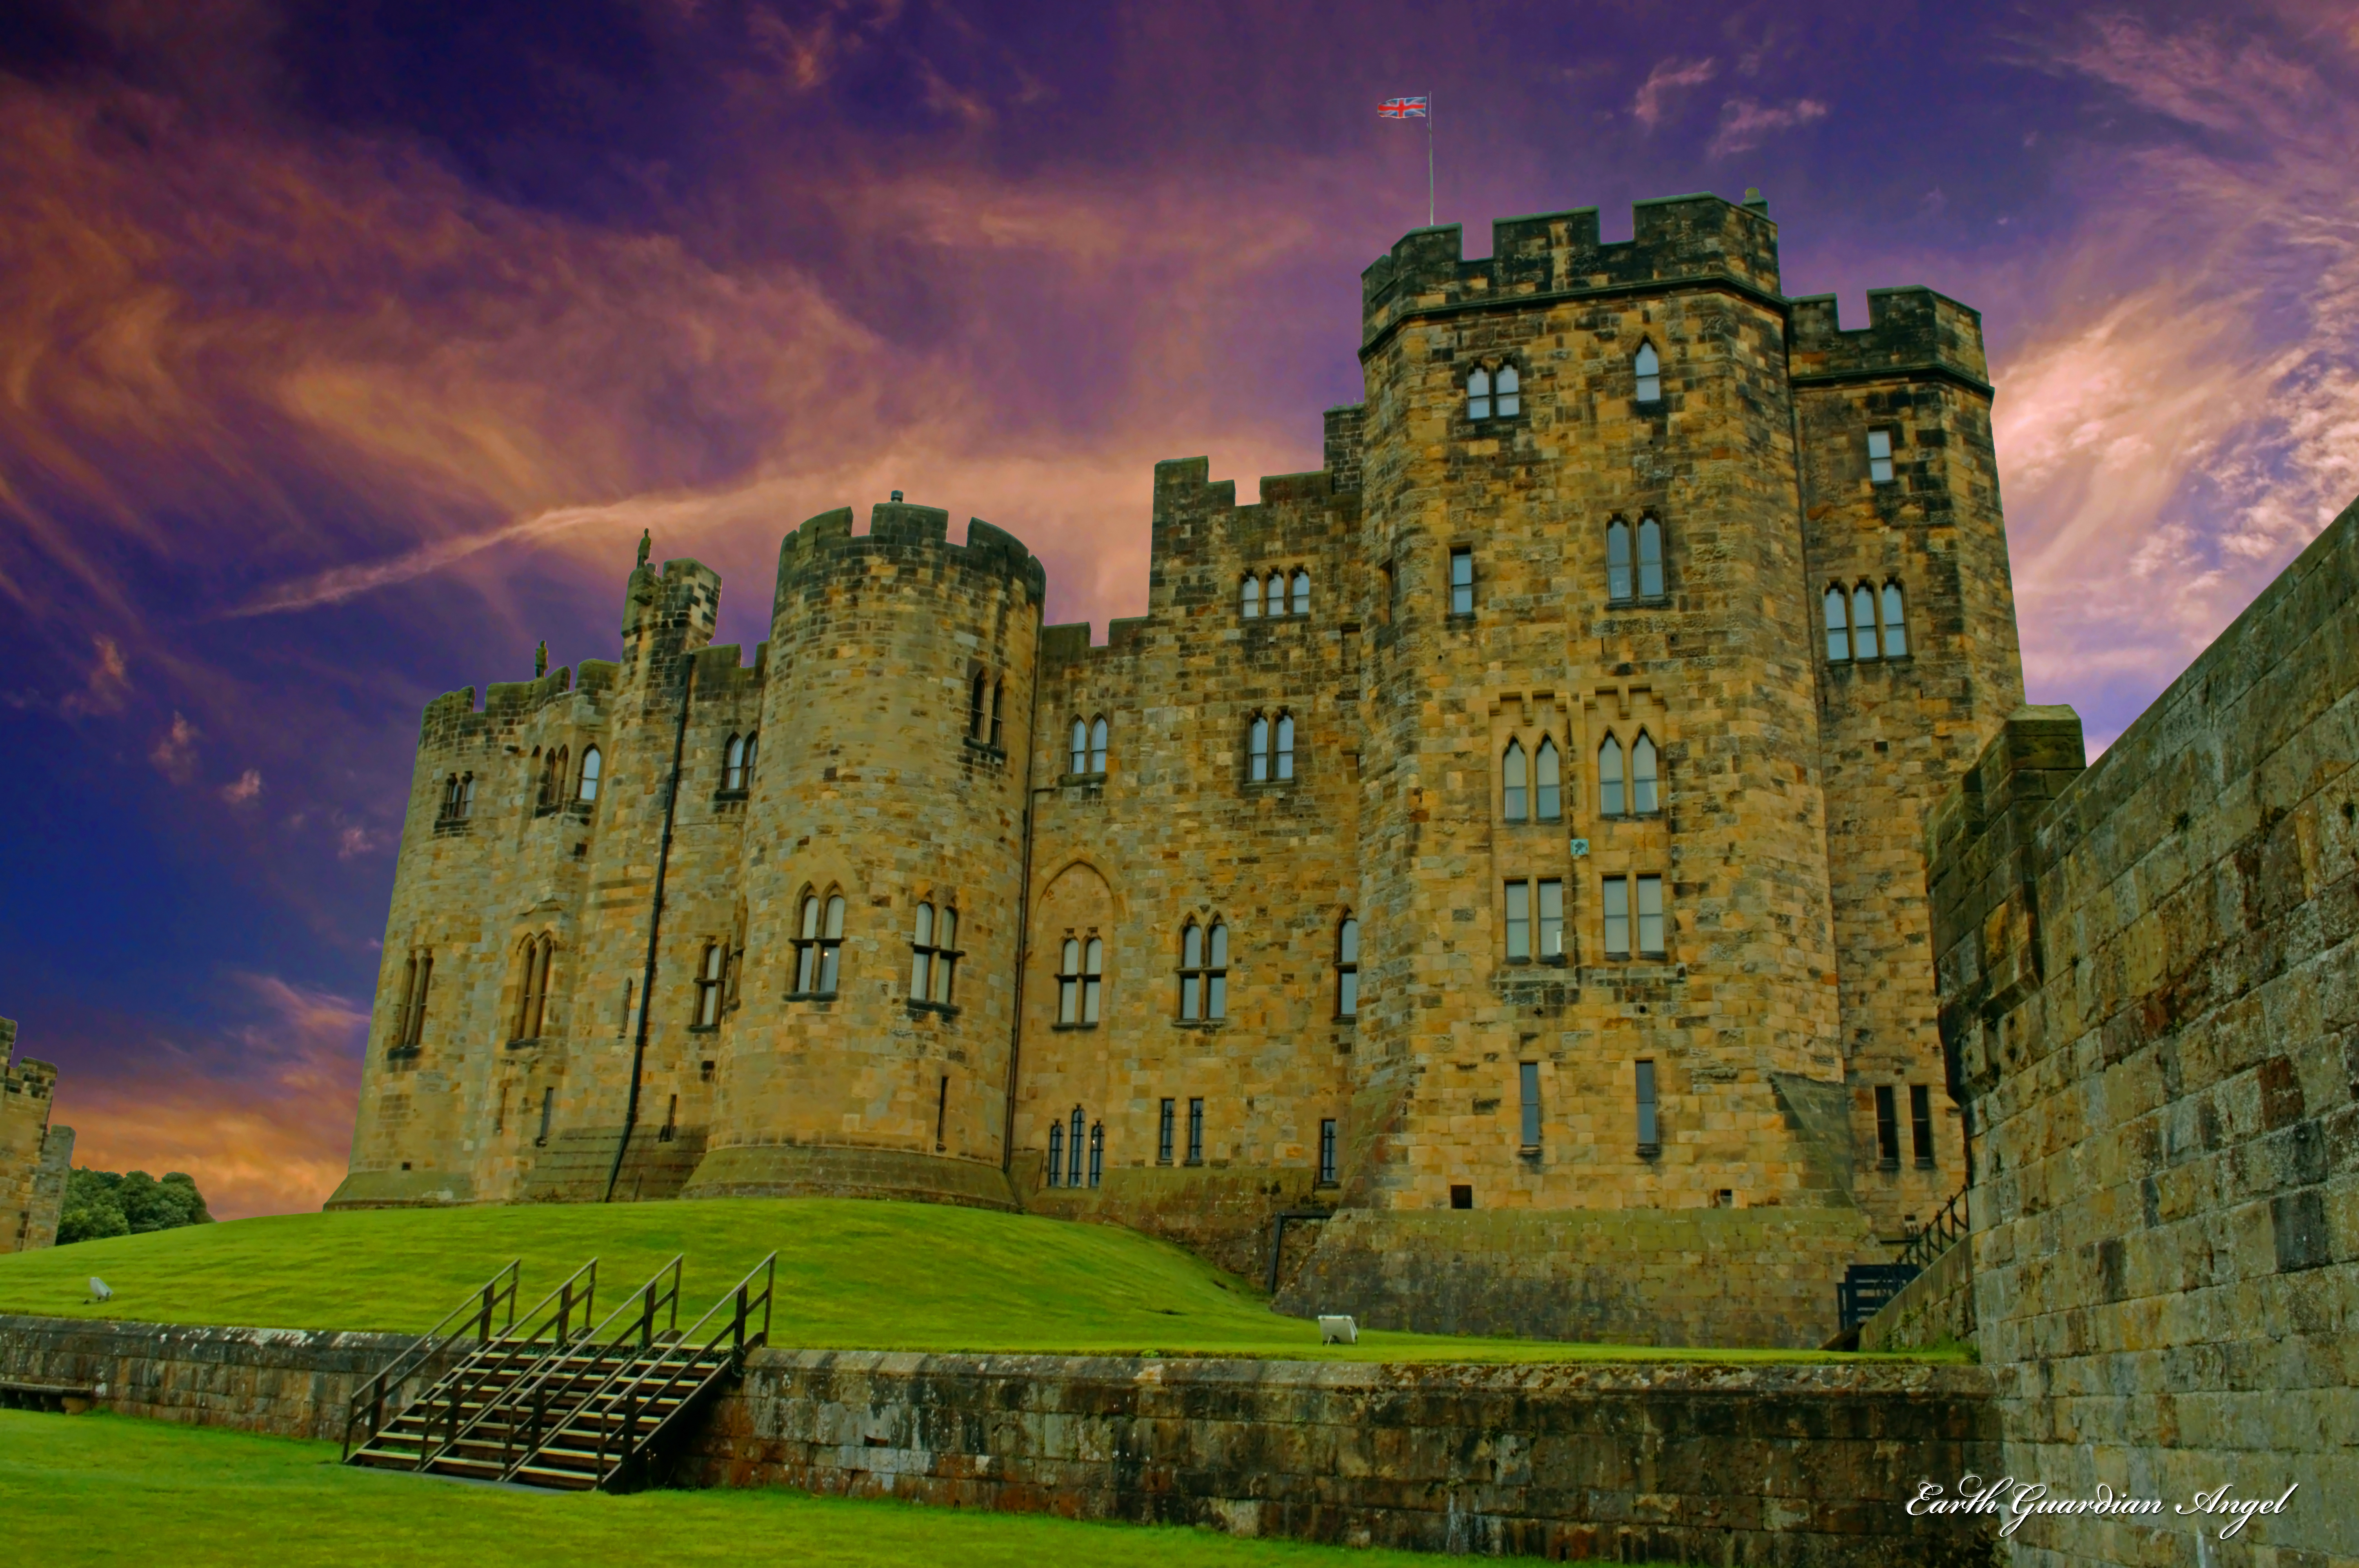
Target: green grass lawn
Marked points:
851	1274
103	1489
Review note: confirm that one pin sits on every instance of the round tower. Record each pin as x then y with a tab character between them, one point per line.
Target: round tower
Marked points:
882	868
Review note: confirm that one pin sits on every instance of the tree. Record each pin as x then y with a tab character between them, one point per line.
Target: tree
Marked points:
100	1204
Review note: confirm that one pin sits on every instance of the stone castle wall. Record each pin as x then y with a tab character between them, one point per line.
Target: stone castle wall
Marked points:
2150	986
1795	973
34	1157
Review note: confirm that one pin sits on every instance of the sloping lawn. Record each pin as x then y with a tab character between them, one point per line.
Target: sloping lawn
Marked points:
852	1275
100	1489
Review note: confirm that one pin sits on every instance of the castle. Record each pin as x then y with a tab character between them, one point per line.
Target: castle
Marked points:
35	1156
1488	880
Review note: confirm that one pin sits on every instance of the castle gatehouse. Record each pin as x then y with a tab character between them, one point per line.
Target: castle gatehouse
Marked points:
1492	865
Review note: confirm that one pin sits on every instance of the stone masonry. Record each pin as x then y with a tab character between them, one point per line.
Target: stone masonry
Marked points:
1595	506
2150	992
35	1158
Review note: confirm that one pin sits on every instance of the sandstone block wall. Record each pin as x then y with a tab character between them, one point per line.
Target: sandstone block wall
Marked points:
1801	1465
1936	1307
34	1157
2150	987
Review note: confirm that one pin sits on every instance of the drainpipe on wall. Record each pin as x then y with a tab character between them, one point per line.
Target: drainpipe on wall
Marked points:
655	929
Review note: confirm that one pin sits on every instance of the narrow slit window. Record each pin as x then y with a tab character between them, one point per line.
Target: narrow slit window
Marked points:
1895	622
1615	903
1098	744
1478	393
1191	972
1617	561
1650	1131
1327	1151
1863	623
1286	745
1347	968
466	795
590	764
1644	794
1879	456
1301	592
1551	918
998	697
1056	1154
1888	1129
1093	977
1649	366
1249	599
1515	798
1097	1152
1651	935
547	1110
1258	749
1920	1123
941	1113
1462	580
708	985
671	1121
1527	1079
1195	1133
1216	971
921	955
1650	559
1519	920
1548	802
981	691
1509	389
1166	1119
1837	626
1610	792
1081	749
1074	1149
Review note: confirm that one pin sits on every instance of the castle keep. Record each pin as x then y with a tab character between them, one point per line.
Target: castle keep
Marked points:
35	1156
1504	844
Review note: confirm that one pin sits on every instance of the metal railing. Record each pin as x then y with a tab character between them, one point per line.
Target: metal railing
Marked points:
661	1290
1937	1235
369	1400
549	1329
680	1366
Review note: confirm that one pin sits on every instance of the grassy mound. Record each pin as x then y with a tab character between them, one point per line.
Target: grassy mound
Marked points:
103	1490
852	1275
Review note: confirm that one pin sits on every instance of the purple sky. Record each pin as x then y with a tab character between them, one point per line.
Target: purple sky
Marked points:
345	349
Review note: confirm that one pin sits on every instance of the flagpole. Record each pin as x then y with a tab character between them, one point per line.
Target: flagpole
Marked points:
1429	160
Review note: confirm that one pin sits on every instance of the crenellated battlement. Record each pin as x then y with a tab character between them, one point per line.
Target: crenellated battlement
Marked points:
1678	239
825	548
1907	329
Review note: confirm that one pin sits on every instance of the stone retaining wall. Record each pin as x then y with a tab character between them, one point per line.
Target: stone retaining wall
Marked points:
1938	1304
1799	1466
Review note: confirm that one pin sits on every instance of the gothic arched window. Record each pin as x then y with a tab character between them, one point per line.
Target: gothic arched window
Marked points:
1644	794
1286	745
1249	593
1478	393
1649	366
1896	621
732	765
1301	592
1056	1154
1514	777
1618	560
1838	624
1650	559
1258	749
708	969
1611	796
590	762
1098	744
1347	968
1081	747
1548	804
1509	386
1863	623
818	945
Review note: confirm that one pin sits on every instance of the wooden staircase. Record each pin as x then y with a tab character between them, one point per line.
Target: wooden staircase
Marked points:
564	1403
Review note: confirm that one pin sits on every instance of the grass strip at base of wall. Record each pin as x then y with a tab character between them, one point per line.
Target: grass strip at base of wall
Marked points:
103	1489
853	1274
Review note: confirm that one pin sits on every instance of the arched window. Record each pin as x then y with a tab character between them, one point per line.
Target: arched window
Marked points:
1347	968
732	765
1274	591
466	795
1611	798
1863	622
1056	1154
1216	971
921	955
1301	592
1258	749
819	944
707	984
753	744
1073	1152
1286	745
450	808
1650	559
1097	1151
410	1018
1250	598
1514	779
998	696
1645	796
1548	802
1098	744
1510	389
1837	626
1478	393
590	764
946	955
1618	560
1649	367
1191	971
974	703
1896	621
532	995
1079	979
1081	748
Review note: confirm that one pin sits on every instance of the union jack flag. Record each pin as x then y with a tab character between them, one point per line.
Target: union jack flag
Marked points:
1402	109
